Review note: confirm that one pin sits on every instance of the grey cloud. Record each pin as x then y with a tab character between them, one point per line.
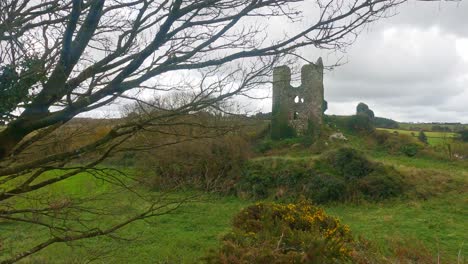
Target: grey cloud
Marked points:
407	67
451	16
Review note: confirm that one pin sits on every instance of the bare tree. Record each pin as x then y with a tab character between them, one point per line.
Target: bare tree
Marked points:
63	58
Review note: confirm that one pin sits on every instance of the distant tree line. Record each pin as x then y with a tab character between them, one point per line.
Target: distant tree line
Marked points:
385	122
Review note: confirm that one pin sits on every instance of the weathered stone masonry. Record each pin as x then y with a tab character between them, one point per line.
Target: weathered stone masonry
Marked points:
299	107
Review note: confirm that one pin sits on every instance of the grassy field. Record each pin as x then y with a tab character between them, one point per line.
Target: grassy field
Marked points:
433	138
185	235
432	215
429	126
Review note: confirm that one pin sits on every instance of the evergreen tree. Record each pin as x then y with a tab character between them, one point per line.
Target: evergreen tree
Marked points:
422	137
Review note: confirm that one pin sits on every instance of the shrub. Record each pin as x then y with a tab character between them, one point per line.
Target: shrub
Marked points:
261	178
463	135
285	233
397	143
340	175
325	187
349	163
209	164
360	124
410	149
363	177
382	183
422	137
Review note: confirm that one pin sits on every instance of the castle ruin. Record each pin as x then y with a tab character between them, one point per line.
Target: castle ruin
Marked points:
297	110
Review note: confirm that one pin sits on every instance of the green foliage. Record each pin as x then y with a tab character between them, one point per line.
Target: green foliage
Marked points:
381	183
464	135
285	233
210	164
385	122
410	149
398	143
440	128
280	128
269	144
363	177
324	188
349	163
360	124
439	223
16	84
341	175
422	137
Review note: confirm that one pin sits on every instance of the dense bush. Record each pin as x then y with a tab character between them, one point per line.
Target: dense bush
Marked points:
265	177
209	164
323	188
285	233
349	163
397	143
463	135
422	137
360	124
410	149
382	182
341	175
363	177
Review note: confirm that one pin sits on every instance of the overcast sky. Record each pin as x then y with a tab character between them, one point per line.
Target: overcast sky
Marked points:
410	67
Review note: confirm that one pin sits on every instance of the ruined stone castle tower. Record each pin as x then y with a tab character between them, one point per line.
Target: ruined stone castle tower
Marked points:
297	108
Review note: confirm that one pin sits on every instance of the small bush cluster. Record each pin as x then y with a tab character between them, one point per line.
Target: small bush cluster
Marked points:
285	233
340	175
360	124
363	177
463	135
397	143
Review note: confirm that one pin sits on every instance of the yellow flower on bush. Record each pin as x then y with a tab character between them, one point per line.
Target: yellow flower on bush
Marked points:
288	233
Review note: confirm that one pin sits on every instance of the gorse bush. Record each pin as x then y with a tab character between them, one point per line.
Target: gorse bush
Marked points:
285	233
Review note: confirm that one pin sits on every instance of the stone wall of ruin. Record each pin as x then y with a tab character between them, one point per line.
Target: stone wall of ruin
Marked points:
298	106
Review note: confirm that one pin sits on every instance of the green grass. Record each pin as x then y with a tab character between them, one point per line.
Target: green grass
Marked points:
433	138
184	236
428	126
439	223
